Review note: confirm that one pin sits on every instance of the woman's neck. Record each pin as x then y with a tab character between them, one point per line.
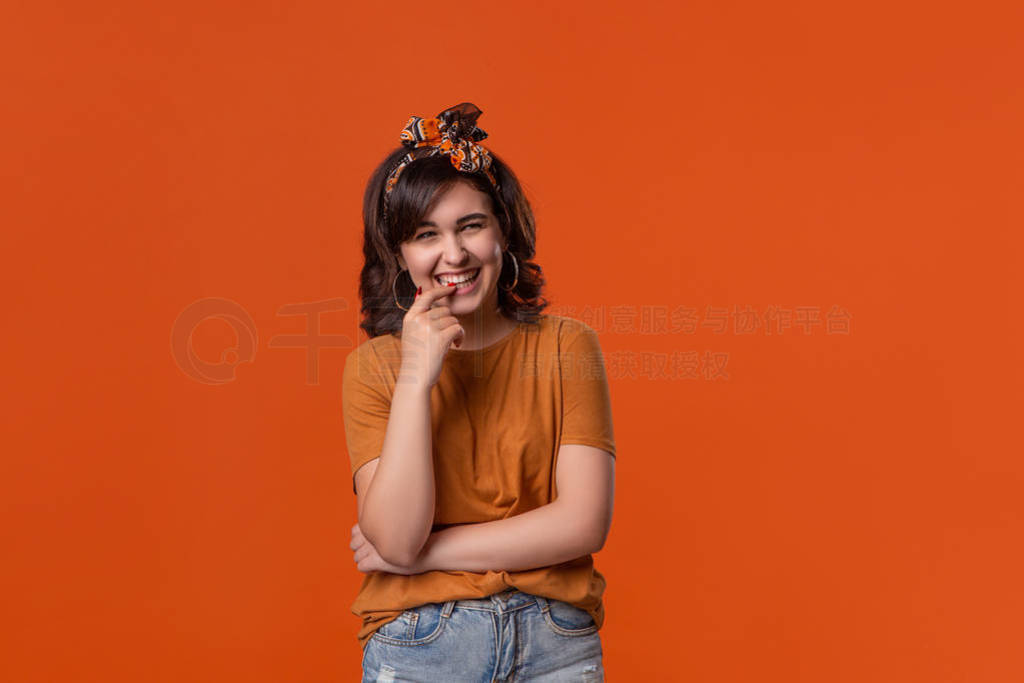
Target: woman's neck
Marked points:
483	330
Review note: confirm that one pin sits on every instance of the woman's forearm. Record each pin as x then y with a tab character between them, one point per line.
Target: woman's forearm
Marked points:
542	537
398	512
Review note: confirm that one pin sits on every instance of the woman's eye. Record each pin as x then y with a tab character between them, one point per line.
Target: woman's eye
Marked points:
431	232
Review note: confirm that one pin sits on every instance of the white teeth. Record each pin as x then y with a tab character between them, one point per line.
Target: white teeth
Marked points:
459	280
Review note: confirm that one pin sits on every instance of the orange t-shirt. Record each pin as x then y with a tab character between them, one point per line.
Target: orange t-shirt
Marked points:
498	415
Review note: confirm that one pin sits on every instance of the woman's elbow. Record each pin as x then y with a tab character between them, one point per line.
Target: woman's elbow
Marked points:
597	540
400	557
390	548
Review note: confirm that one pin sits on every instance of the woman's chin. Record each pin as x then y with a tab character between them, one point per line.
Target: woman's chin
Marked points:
462	305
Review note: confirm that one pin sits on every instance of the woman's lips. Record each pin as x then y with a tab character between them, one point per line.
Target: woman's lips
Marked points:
466	289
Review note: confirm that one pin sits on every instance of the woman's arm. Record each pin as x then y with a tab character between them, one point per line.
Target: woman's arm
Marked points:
544	536
573	525
396	492
398	509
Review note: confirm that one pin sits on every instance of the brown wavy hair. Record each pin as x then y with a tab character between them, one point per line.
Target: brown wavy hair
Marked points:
420	184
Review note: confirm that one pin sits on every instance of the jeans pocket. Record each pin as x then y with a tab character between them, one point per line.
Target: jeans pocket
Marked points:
417	625
565	619
402	627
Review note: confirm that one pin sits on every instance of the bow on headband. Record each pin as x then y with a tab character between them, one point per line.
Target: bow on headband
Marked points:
454	133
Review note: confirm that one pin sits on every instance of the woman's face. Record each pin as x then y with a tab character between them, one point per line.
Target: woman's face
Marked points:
459	237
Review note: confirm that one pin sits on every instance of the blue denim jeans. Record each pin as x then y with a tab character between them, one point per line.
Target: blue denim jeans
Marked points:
509	636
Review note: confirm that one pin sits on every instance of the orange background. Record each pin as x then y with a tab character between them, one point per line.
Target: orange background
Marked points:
840	507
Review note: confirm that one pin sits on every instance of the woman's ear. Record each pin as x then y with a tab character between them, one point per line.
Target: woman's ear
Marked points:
401	261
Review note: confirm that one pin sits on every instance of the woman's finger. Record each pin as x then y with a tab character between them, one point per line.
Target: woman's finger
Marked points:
454	333
438	312
446	322
426	299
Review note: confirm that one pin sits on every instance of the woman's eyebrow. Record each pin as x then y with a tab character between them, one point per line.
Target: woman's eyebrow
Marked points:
467	217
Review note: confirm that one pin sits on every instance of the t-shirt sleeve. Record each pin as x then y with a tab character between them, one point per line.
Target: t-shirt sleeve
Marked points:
586	402
365	405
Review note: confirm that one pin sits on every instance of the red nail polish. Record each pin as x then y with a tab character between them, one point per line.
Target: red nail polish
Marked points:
451	284
419	290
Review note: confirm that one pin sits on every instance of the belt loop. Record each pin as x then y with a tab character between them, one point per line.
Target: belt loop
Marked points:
446	611
542	603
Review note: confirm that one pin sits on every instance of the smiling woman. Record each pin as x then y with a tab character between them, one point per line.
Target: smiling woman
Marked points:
460	243
479	430
415	206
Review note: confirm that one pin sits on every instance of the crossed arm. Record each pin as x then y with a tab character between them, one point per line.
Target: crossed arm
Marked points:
575	524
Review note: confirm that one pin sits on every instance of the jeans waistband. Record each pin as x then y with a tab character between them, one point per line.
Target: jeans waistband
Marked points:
506	601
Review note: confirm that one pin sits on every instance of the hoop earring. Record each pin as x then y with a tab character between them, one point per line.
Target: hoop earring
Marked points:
515	280
393	288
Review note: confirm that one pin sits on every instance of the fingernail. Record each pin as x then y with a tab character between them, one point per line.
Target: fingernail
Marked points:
451	284
419	290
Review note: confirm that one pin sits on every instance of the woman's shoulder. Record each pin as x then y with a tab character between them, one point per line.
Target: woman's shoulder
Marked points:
565	328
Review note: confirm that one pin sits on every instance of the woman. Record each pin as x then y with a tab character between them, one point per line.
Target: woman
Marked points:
479	430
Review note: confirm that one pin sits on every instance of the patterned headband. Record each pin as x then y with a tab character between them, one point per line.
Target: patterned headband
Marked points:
452	132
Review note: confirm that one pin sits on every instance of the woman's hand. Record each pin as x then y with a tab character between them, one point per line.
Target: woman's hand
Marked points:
428	331
368	560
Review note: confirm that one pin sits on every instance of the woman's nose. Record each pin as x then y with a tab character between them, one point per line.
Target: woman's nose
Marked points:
454	252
